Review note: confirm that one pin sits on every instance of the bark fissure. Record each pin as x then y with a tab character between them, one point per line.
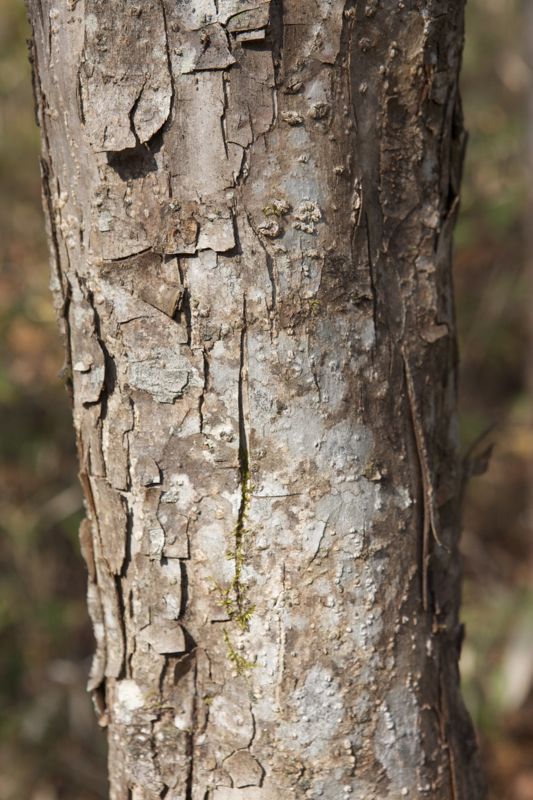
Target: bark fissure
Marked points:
429	522
189	785
235	599
244	471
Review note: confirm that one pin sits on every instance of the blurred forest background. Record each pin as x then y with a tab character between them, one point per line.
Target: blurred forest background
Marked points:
50	746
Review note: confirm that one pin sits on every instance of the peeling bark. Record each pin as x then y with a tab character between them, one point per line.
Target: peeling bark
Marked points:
250	206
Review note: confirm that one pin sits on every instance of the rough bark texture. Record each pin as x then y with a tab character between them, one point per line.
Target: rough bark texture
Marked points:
250	208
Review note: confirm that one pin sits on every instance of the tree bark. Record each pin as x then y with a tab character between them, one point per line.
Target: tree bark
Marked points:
250	210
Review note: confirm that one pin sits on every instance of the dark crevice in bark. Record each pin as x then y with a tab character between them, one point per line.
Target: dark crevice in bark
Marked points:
126	445
244	467
162	676
132	111
430	525
133	650
237	249
183	314
48	35
184	589
121	619
254	729
79	98
189	783
66	371
182	666
371	277
127	554
242	175
223	125
134	162
170	71
98	697
35	85
110	369
271	276
201	399
275	34
258	46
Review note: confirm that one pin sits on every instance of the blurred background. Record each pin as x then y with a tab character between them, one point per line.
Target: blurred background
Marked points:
50	746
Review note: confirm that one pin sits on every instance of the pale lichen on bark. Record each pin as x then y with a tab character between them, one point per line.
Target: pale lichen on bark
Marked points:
250	207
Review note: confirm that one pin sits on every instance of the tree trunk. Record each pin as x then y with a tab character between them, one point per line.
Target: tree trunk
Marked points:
251	207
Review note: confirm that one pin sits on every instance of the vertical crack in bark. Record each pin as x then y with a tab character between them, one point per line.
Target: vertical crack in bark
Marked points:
162	676
223	122
443	718
424	567
205	388
189	783
110	369
131	117
121	621
254	729
48	35
276	26
66	370
270	270
169	63
126	445
234	598
133	649
184	311
79	97
127	549
244	468
429	525
272	279
184	589
371	276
